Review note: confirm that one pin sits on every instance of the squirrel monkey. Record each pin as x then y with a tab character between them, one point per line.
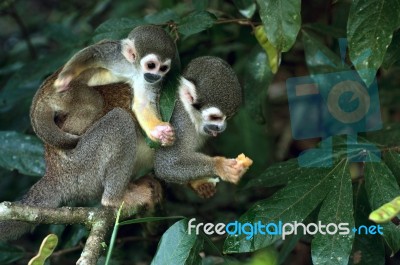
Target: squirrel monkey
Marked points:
208	95
142	60
113	149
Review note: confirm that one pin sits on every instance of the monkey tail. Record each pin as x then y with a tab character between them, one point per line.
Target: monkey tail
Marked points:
41	194
43	123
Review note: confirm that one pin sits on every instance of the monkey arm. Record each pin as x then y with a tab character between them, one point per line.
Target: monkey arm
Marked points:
99	61
175	165
145	108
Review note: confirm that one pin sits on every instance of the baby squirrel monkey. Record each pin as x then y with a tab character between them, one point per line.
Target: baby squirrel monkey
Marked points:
208	95
142	60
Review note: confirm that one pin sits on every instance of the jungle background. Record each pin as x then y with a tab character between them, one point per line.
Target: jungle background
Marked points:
296	39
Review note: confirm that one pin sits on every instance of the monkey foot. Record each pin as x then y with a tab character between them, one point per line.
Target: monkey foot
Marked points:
164	134
145	192
205	188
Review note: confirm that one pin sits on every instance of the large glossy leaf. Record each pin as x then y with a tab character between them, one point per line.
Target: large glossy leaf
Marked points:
370	28
177	247
319	58
392	160
195	22
292	203
116	28
381	188
337	208
278	174
393	52
367	249
22	152
257	78
281	19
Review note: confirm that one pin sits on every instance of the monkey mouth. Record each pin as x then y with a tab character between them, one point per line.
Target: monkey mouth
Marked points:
211	132
151	78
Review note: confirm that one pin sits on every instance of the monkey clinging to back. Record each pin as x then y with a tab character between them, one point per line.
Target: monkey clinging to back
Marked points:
142	60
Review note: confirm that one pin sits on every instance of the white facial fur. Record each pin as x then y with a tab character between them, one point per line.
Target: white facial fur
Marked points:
208	116
152	64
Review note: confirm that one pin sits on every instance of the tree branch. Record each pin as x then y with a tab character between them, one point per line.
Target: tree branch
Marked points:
99	220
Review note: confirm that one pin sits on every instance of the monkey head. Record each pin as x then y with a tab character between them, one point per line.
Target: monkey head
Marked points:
210	93
152	51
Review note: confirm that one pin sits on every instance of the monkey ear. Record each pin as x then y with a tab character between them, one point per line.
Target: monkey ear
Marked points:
187	91
129	50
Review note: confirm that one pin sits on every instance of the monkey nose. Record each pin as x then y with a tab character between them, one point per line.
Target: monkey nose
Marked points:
151	78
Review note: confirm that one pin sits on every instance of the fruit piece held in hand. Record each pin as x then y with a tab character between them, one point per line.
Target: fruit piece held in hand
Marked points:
244	161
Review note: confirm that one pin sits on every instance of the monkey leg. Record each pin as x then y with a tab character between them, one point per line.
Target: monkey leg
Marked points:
105	157
45	193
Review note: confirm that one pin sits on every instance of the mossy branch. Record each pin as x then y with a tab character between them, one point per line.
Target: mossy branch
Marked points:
98	220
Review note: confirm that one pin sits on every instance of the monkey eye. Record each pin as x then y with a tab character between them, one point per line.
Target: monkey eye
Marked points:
197	105
151	65
163	68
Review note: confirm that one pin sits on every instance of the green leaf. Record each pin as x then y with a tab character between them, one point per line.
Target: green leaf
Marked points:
116	28
246	7
392	160
278	174
381	188
196	22
367	249
337	208
178	247
162	17
393	51
282	20
292	203
22	152
10	254
319	58
257	78
370	28
274	56
149	219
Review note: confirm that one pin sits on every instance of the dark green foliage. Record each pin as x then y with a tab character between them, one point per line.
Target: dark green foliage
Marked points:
276	188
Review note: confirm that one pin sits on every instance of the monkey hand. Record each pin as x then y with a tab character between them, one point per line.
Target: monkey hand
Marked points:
205	188
163	133
231	170
62	82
